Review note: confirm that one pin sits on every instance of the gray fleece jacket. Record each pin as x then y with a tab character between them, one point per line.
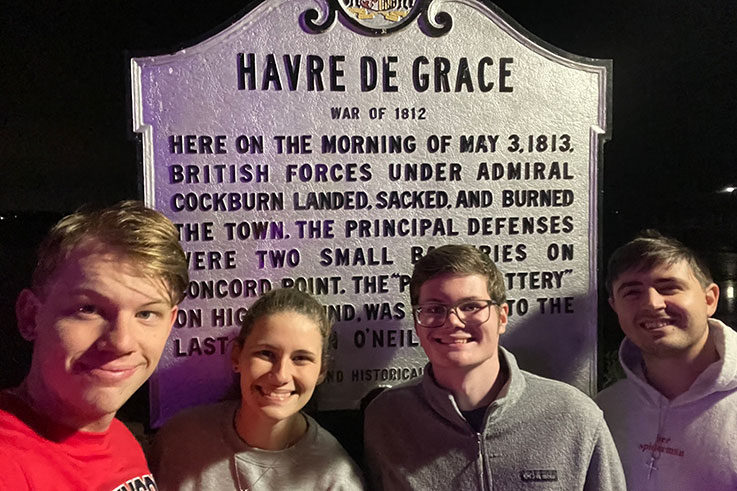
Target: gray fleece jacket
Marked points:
539	434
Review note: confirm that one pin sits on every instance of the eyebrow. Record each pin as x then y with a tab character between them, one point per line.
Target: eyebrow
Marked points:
97	296
276	348
658	281
628	284
464	299
304	352
155	302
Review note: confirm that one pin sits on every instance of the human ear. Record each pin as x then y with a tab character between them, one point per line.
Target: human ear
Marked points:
711	295
503	311
26	309
235	355
323	373
172	318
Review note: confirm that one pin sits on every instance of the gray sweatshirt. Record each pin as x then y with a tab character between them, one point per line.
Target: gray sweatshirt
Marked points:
539	434
199	450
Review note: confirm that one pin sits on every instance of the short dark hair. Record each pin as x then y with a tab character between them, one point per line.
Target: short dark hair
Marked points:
287	300
650	248
145	236
461	260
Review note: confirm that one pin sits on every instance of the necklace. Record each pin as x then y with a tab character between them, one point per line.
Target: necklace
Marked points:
651	465
655	451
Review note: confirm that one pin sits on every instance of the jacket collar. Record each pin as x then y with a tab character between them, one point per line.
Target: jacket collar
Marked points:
444	403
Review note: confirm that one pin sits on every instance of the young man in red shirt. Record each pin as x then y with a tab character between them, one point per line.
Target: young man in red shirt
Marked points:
102	303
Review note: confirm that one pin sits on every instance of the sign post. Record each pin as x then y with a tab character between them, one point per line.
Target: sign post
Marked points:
327	145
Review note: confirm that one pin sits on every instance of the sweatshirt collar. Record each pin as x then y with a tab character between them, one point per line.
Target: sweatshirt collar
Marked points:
444	403
719	376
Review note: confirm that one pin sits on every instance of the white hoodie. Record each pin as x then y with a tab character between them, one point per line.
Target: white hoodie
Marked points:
687	444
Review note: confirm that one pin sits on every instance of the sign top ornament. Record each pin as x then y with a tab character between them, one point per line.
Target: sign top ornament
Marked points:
381	17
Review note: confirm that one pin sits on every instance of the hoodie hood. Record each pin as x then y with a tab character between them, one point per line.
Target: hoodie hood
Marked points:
718	377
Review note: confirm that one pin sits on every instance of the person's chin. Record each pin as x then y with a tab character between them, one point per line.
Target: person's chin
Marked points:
101	403
280	413
452	359
110	397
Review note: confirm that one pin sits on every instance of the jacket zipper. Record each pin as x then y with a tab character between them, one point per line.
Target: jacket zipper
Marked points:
485	484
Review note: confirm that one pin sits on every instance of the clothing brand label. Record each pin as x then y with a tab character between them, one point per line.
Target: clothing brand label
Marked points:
539	475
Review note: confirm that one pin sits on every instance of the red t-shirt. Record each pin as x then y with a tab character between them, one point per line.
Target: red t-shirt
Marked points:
38	454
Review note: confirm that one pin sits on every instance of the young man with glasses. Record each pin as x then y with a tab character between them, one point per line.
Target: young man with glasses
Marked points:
475	420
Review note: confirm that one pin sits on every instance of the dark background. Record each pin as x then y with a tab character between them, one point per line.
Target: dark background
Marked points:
65	135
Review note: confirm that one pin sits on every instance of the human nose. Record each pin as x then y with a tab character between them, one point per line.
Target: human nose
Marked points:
654	299
453	319
280	370
118	336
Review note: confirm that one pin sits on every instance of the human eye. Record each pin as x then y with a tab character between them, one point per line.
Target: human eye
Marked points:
472	306
303	359
87	310
147	315
669	289
433	308
265	354
630	293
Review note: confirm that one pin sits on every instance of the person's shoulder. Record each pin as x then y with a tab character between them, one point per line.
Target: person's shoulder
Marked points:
394	406
13	411
343	471
19	425
324	440
188	439
556	393
399	394
322	436
194	422
203	413
614	394
123	438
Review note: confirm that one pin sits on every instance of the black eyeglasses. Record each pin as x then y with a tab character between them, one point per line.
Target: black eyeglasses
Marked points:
469	312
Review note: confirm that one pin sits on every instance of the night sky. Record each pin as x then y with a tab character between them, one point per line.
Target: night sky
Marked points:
65	128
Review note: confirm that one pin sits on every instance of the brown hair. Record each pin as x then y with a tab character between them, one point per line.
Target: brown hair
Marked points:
143	235
287	300
650	248
460	260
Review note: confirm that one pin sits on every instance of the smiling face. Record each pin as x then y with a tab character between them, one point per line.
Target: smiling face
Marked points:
664	309
98	329
280	363
455	345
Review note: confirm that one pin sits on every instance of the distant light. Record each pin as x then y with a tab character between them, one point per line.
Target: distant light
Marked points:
729	189
730	292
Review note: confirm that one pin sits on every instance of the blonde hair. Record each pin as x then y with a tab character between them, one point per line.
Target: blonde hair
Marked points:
145	236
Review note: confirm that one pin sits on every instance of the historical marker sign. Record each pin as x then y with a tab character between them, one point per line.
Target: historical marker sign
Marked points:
327	145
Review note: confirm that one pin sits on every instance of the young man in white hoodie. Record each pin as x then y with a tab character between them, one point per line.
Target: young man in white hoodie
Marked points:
674	417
